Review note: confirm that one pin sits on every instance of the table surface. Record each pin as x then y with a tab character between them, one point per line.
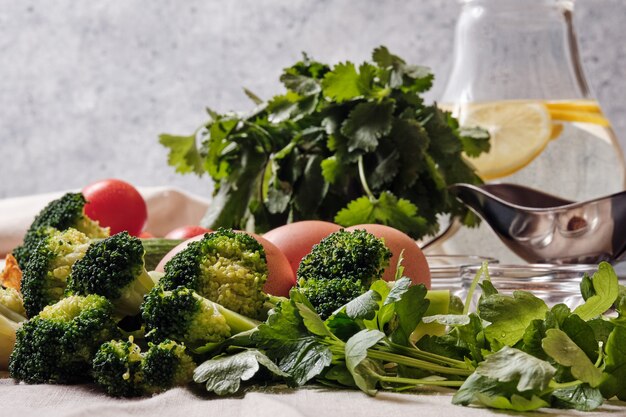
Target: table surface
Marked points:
311	401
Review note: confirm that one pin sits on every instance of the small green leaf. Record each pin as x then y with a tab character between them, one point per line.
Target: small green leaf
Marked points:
516	403
223	375
356	354
302	85
606	288
565	352
448	319
364	306
387	209
253	97
409	309
513	365
183	153
615	365
510	316
366	124
475	141
581	397
312	321
342	83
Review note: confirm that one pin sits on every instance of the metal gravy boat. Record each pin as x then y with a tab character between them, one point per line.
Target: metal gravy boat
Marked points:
540	227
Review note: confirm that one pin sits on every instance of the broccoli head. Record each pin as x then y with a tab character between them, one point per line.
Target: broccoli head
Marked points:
45	276
226	267
12	315
185	316
58	345
167	365
117	368
61	214
340	268
122	370
113	268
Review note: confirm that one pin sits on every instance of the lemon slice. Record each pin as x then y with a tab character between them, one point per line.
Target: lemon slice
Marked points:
519	132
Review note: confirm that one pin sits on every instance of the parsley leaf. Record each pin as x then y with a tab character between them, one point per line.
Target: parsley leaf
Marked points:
367	123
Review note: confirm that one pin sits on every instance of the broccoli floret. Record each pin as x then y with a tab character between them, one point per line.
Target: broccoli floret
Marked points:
340	268
226	267
113	268
12	315
122	370
45	276
185	316
58	345
117	368
167	365
61	214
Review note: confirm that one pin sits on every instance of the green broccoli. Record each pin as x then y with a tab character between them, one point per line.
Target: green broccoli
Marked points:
58	345
117	368
340	268
226	267
185	316
45	276
113	268
167	365
12	315
122	370
61	214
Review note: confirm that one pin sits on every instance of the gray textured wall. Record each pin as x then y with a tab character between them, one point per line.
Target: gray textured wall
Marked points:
86	86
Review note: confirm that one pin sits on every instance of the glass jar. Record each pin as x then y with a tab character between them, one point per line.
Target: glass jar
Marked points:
554	284
445	271
517	73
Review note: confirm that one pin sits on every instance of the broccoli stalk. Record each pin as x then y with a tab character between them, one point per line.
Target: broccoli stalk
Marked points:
58	345
61	214
226	267
113	268
185	316
340	268
44	278
122	370
12	315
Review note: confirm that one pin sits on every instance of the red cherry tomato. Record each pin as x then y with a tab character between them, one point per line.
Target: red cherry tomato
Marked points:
146	235
296	239
116	204
280	277
415	264
185	232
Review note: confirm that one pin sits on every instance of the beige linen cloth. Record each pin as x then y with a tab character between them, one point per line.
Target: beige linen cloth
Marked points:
21	400
168	208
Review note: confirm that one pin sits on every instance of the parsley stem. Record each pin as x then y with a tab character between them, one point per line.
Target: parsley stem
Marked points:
415	363
411	381
561	385
420	354
366	187
482	271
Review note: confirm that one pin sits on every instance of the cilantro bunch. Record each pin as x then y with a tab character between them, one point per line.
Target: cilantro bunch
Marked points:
346	144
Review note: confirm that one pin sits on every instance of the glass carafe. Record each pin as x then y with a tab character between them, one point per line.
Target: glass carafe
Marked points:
517	73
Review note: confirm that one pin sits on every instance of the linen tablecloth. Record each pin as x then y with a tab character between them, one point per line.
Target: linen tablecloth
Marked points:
20	400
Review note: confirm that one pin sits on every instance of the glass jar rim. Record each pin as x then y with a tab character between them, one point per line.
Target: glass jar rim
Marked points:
514	272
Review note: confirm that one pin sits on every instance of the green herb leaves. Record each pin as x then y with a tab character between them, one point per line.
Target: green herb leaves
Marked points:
350	144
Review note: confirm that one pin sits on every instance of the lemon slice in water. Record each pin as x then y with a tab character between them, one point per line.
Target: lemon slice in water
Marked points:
519	132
